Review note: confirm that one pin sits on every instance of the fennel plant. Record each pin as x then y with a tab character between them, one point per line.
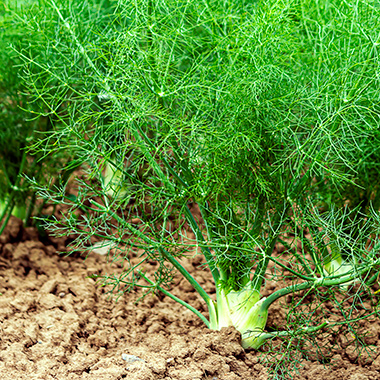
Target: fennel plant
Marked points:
22	122
238	110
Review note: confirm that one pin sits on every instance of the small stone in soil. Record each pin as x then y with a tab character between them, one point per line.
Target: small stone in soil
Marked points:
131	358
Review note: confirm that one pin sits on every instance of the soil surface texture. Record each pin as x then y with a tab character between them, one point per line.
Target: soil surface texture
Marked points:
57	323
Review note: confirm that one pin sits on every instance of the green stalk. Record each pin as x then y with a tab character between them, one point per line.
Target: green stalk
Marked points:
152	161
187	275
6	214
297	274
137	133
173	297
296	255
317	283
372	279
30	208
325	252
262	266
32	201
262	338
163	251
11	203
205	250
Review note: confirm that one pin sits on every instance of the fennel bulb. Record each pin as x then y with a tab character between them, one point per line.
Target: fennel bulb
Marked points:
244	310
113	179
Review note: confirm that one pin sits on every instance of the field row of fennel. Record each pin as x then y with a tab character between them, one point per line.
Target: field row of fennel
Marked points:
263	116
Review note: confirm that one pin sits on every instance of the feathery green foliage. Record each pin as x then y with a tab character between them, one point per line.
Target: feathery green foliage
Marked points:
22	122
229	127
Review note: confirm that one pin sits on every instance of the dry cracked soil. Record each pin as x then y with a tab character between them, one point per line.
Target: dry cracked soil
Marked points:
57	323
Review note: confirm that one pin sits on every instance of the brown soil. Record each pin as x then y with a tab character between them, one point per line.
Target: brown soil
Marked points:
56	323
